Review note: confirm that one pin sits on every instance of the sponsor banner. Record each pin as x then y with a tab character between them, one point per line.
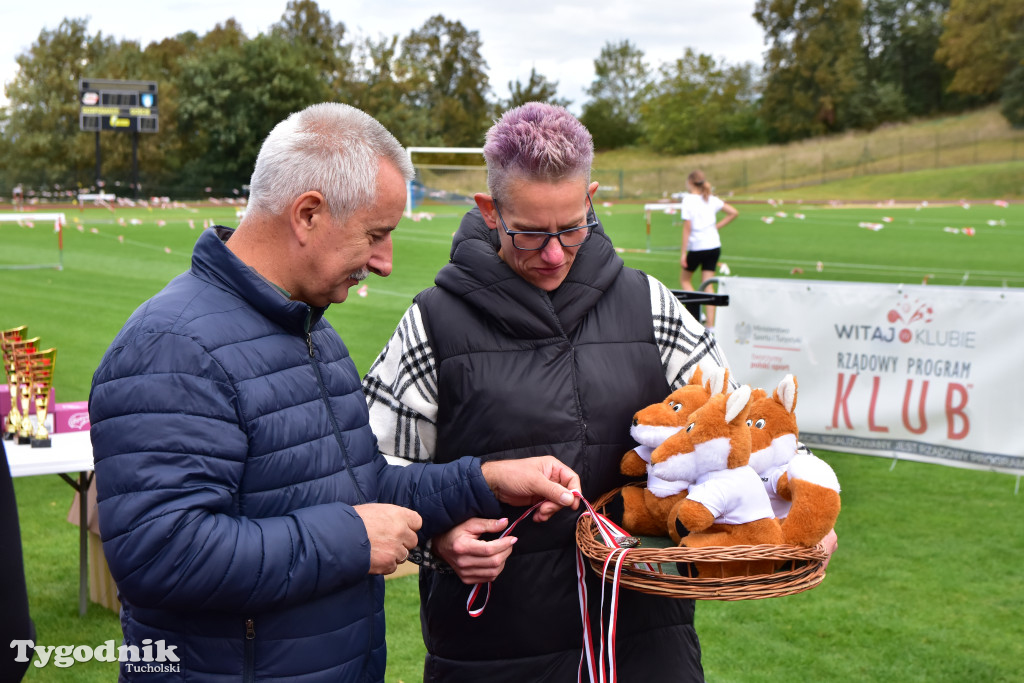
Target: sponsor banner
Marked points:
909	371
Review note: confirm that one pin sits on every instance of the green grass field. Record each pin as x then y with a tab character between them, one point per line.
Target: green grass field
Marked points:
914	242
927	581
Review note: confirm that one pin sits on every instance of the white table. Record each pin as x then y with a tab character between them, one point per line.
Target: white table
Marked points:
71	453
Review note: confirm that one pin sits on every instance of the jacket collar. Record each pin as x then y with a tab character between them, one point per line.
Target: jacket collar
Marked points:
213	262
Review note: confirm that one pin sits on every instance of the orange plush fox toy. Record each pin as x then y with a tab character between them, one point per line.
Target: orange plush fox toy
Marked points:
803	489
726	503
645	510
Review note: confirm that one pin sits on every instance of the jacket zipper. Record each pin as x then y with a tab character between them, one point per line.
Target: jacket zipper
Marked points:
249	671
327	402
575	387
344	453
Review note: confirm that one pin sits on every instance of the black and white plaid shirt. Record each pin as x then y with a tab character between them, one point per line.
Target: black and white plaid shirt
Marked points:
401	386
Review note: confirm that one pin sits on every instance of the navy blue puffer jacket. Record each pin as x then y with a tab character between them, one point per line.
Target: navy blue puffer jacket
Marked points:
231	443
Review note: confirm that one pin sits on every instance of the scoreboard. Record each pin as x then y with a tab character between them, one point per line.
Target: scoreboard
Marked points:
129	106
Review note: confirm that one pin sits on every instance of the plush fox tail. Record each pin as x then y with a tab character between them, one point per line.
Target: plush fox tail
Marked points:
814	490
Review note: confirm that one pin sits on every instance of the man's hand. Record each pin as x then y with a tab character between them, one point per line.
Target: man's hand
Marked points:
392	533
475	561
529	480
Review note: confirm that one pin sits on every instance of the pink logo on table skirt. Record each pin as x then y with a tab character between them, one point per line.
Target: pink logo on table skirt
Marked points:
71	417
78	422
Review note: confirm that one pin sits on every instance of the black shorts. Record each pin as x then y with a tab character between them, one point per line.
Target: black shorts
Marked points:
706	259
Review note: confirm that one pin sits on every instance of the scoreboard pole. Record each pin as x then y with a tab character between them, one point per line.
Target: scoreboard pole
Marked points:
135	162
99	166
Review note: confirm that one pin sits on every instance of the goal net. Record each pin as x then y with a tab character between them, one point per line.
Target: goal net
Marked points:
663	226
445	177
38	241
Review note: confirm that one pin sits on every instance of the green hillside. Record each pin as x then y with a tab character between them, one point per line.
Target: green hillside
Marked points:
982	181
973	155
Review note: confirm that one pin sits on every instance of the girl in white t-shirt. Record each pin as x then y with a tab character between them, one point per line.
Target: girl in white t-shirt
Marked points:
701	244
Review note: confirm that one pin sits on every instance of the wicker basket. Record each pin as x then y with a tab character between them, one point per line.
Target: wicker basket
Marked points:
801	568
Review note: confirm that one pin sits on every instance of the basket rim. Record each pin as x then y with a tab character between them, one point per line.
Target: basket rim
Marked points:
806	566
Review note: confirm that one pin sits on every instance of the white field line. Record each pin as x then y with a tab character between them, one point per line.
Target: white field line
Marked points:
830	266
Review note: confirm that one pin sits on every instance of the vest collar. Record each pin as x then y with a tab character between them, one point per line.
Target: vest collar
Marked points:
478	275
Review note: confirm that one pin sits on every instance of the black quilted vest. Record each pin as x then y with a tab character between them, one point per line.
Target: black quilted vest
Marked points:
523	372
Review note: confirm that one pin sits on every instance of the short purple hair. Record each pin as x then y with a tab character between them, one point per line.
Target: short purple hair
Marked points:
537	141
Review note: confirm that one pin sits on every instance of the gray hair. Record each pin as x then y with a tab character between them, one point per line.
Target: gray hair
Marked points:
331	148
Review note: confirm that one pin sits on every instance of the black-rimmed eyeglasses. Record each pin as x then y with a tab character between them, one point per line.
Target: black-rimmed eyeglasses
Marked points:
535	241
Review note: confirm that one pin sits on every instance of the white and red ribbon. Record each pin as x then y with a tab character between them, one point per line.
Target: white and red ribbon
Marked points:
611	534
476	589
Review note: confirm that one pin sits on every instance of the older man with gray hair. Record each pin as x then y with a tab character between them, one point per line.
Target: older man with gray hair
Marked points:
246	513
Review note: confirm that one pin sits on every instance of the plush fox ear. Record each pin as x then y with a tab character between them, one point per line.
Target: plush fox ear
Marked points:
736	404
697	378
785	393
718	381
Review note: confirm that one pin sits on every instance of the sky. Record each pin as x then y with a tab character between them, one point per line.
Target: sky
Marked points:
560	38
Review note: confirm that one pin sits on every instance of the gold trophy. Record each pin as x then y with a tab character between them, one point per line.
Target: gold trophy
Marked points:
41	365
7	339
22	350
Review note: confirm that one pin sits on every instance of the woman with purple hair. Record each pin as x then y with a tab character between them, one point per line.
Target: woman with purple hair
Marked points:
535	340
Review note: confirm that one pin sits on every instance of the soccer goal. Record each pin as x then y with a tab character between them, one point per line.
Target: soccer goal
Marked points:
443	179
33	248
672	211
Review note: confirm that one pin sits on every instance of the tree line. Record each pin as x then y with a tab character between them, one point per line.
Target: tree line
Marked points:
830	66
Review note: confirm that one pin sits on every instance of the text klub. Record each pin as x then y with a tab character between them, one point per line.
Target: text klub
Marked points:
860	395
